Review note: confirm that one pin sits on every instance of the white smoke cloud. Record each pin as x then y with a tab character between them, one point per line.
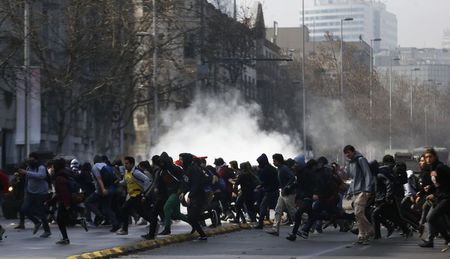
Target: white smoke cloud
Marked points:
224	127
331	128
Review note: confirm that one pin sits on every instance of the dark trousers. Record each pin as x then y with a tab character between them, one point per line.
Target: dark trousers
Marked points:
195	213
436	219
94	202
133	204
387	211
33	207
321	210
156	208
245	198
268	201
305	207
63	219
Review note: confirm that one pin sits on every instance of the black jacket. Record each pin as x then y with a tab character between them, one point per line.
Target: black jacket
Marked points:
195	175
267	174
384	185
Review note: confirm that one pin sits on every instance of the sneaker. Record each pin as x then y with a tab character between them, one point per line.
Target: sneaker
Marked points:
390	231
20	226
63	242
273	232
202	238
291	237
36	227
365	242
427	244
303	234
122	232
148	237
358	241
2	231
45	234
259	226
165	232
114	228
84	224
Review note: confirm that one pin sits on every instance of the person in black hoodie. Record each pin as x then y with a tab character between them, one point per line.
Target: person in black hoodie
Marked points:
268	176
196	196
386	207
248	181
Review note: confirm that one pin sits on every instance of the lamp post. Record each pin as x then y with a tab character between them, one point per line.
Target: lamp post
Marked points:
303	79
341	92
26	63
414	70
370	81
390	102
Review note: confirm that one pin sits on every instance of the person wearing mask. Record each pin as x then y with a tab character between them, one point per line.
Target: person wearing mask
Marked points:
361	188
247	181
36	193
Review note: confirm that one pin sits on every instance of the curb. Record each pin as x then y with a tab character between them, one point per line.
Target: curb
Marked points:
152	244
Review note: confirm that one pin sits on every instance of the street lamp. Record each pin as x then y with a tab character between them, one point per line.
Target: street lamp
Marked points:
303	78
370	80
414	70
390	102
342	56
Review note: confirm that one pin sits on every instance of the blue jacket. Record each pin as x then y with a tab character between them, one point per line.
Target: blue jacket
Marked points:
359	171
36	180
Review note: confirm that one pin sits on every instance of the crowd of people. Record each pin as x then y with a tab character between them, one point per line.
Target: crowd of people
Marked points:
361	196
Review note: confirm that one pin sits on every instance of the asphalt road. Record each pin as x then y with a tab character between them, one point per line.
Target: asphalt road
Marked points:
23	244
330	244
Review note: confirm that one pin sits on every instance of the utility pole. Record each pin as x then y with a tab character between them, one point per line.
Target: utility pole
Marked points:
303	78
27	73
154	79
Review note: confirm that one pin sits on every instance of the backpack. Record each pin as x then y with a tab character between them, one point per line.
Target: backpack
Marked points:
74	186
108	176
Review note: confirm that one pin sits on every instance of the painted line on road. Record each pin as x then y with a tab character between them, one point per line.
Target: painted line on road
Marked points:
152	244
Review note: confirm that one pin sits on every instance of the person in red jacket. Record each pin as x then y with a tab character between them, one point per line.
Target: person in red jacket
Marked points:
63	198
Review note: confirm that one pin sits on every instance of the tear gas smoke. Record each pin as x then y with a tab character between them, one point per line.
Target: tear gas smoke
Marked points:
224	127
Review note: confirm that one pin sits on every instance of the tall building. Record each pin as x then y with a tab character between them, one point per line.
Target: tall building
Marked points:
225	6
370	20
446	39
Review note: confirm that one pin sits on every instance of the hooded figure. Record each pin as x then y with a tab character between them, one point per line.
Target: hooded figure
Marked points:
267	174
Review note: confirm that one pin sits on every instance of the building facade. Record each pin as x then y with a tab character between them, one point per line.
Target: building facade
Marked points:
371	20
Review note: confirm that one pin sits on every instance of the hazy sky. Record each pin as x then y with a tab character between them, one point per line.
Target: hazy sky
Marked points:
420	22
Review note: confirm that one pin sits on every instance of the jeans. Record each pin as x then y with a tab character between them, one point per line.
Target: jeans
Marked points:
436	219
268	201
33	207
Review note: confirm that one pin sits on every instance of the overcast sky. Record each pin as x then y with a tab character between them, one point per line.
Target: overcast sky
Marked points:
420	22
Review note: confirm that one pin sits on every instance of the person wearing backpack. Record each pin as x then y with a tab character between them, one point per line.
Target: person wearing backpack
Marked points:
36	193
137	184
103	180
362	189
